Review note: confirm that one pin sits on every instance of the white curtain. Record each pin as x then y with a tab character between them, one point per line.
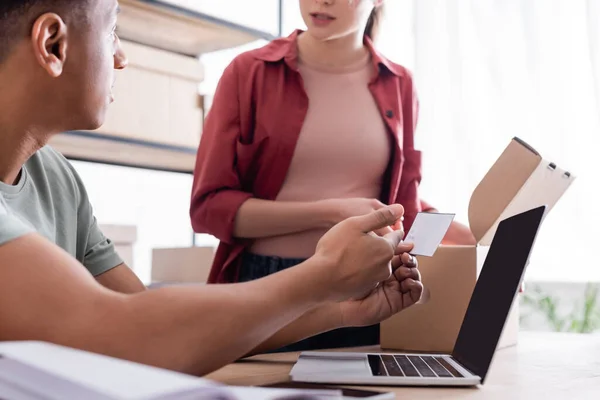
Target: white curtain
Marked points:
488	70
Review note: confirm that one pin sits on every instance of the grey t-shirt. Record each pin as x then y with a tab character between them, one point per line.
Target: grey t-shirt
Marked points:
50	199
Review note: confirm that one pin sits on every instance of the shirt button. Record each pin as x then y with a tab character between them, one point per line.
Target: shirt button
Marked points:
389	113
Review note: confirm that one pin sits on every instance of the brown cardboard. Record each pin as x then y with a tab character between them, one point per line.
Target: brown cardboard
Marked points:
182	265
157	98
450	275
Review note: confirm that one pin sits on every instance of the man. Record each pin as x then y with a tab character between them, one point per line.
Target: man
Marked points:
57	62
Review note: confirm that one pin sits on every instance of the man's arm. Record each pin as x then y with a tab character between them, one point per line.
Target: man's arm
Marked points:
401	290
314	322
121	279
190	329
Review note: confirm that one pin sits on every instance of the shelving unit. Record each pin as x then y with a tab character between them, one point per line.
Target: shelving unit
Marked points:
156	121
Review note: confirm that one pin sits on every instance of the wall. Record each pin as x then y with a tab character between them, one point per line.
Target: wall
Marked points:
157	203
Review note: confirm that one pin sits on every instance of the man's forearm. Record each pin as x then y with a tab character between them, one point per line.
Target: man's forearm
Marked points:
121	279
200	329
189	329
318	320
258	218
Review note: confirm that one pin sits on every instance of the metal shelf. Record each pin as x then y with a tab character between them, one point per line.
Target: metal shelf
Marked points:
181	30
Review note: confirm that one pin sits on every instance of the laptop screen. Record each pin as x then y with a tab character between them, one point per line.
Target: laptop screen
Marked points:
495	290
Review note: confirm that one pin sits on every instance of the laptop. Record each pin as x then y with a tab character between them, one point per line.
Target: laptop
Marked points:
484	320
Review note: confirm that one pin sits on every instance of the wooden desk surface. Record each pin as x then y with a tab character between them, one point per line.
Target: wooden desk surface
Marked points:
542	366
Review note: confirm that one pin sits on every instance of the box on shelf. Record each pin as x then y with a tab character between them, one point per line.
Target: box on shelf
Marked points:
157	98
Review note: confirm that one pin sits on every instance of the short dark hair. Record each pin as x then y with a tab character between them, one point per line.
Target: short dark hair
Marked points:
17	17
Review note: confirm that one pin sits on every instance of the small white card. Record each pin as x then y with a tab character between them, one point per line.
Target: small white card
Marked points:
427	232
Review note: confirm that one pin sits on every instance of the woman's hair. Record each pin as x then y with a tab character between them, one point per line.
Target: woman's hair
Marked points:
374	22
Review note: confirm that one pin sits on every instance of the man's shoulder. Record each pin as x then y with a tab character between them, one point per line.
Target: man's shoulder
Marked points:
49	153
52	165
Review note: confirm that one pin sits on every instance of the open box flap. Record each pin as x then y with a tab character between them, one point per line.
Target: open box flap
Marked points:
518	181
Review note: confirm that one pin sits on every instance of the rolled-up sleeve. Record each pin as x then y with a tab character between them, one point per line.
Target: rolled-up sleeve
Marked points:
216	192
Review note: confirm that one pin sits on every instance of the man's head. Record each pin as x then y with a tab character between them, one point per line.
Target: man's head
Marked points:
58	60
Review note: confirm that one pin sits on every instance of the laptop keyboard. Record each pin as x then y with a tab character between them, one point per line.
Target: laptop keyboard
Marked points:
412	366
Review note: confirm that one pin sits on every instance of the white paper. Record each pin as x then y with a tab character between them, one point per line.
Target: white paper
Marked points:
46	371
112	377
427	232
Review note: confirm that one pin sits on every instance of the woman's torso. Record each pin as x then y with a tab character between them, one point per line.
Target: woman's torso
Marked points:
343	149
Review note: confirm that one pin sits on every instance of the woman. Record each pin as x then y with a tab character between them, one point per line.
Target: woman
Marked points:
303	133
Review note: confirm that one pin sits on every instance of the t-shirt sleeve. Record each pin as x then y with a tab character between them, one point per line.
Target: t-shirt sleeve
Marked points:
11	228
99	253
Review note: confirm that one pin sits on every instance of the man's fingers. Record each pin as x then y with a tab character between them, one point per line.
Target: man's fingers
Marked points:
412	288
425	295
384	231
403	273
404	247
396	263
405	260
394	238
399	226
384	217
409	260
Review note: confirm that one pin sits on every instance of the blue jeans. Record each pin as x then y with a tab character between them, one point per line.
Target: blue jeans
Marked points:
257	266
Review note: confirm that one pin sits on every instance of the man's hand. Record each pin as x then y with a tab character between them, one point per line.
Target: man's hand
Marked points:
351	259
398	292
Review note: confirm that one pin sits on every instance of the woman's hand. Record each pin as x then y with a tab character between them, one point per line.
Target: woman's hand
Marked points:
338	210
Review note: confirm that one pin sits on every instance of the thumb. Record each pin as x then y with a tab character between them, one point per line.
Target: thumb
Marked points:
381	218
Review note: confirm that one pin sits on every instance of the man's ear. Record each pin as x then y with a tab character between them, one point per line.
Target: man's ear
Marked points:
377	3
49	41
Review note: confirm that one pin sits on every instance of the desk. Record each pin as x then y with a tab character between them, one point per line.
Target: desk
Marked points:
543	366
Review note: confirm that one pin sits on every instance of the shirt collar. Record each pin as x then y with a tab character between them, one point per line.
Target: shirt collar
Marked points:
285	49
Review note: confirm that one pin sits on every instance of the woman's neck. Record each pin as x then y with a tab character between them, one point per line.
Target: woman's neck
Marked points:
346	50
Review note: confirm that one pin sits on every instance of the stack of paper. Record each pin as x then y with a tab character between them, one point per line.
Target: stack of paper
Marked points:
42	371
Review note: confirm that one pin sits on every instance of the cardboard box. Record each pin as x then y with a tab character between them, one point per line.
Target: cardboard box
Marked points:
519	181
124	238
157	98
182	265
